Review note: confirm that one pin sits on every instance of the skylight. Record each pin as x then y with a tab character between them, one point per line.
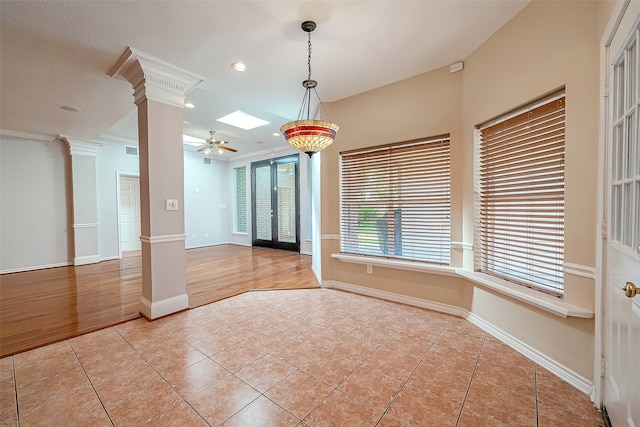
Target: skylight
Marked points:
190	140
242	120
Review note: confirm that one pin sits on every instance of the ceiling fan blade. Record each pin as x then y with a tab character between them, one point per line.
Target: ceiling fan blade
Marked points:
224	147
202	148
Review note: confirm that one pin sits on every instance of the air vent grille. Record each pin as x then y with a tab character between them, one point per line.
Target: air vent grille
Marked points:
131	150
207	160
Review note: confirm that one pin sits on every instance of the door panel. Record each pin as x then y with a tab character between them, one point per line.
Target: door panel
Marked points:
621	313
129	213
275	204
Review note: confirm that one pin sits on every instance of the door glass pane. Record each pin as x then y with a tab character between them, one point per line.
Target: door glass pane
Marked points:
286	173
627	215
616	212
619	93
618	152
636	222
263	202
631	135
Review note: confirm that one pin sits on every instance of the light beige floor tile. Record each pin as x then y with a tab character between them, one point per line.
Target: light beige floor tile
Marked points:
330	368
340	409
181	415
63	409
265	372
502	404
238	356
144	405
223	399
261	412
372	387
299	393
197	377
420	408
447	384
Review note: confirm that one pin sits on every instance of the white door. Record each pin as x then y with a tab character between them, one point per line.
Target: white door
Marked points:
129	213
622	313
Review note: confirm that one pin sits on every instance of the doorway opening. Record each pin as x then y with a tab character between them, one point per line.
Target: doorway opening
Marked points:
275	204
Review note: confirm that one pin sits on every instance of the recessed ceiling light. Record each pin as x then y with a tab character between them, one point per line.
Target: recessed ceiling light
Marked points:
242	120
70	109
239	66
190	140
189	105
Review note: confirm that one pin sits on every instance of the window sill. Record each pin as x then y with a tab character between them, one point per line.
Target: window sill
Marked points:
235	233
529	296
394	263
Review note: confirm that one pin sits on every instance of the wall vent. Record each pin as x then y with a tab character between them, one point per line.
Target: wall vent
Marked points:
131	150
207	160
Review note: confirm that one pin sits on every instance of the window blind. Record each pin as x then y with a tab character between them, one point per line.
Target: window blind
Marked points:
521	197
395	201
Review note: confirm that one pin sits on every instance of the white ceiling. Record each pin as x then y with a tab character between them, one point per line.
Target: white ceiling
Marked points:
58	53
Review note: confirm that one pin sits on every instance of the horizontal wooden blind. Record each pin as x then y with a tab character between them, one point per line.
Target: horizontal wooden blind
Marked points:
521	198
395	201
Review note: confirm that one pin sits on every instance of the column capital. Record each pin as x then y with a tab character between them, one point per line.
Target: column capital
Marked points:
153	78
81	147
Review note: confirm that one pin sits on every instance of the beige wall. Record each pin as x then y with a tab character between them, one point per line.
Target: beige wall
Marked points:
547	46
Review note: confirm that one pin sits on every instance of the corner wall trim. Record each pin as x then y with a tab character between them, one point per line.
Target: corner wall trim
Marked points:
163	238
87	225
330	237
87	259
35	267
526	350
462	245
390	296
580	270
531	353
157	309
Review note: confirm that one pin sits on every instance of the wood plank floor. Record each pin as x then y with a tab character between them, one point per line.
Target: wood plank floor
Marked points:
45	306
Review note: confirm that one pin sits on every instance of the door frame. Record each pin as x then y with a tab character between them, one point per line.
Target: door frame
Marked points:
274	230
119	175
603	198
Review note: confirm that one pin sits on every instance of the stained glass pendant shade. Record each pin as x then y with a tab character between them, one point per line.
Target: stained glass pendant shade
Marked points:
309	135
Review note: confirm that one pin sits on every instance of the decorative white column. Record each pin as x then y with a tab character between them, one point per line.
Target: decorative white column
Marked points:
159	92
85	199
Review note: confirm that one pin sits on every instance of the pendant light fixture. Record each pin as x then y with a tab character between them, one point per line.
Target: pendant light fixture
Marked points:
308	135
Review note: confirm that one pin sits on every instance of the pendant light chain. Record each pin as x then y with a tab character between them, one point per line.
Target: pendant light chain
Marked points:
309	57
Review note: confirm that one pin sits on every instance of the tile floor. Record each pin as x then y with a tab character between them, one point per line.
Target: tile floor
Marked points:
314	357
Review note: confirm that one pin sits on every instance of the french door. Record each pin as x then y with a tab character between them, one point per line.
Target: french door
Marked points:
274	203
621	306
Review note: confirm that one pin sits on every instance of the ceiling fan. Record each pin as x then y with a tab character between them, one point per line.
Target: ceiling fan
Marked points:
212	144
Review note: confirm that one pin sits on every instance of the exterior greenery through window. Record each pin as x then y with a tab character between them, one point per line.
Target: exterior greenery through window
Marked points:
520	196
240	208
395	201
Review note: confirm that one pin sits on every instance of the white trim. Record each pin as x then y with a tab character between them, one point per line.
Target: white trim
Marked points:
207	245
531	353
530	296
163	238
81	147
24	135
391	296
305	253
154	310
317	274
109	258
580	270
395	263
462	245
87	259
86	225
330	237
36	267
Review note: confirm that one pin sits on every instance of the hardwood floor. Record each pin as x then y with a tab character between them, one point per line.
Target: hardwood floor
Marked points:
44	306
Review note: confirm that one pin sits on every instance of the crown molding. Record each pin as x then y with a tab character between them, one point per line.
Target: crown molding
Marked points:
81	147
154	79
25	135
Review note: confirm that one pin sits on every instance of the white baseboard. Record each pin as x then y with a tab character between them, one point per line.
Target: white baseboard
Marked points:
35	267
521	347
109	258
88	259
305	253
157	309
531	353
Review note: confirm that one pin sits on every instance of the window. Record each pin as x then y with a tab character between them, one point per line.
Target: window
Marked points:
240	207
520	196
395	201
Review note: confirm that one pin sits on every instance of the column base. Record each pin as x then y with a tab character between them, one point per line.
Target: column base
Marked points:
157	309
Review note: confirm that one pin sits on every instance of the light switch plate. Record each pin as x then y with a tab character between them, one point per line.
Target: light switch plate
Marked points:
171	204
